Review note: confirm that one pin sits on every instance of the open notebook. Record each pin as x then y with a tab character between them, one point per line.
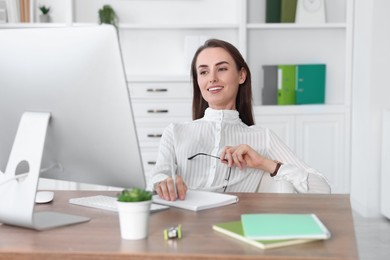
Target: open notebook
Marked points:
199	200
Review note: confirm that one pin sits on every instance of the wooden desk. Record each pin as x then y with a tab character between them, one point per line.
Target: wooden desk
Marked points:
100	238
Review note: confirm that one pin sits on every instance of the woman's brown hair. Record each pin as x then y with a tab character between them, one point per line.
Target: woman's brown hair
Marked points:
244	95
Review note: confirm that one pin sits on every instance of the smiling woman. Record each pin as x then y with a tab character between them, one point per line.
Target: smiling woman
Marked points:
219	79
232	66
223	127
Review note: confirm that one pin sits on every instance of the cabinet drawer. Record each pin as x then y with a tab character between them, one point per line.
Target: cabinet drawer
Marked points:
150	136
154	109
160	90
149	160
149	157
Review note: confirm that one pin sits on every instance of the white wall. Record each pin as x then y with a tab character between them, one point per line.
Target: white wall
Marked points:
163	12
371	92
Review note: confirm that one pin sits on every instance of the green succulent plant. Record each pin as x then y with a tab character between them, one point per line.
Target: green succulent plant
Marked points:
134	195
107	15
44	9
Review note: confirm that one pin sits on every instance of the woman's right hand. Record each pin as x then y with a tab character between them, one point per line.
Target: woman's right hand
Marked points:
166	189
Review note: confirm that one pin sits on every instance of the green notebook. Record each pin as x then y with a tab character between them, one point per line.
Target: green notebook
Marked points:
234	230
310	85
283	226
286	84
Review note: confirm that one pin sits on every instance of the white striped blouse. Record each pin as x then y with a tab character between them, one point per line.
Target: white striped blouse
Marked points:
209	135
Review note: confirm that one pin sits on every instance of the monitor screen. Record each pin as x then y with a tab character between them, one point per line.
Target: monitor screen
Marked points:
77	75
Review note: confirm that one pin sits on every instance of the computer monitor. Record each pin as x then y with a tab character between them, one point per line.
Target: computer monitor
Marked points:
75	74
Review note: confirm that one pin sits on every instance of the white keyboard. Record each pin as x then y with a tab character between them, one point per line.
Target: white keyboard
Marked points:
107	203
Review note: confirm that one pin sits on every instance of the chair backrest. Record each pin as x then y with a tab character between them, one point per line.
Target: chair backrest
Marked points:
269	185
316	182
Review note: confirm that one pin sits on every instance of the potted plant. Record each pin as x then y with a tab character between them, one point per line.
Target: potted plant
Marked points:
107	15
134	210
44	17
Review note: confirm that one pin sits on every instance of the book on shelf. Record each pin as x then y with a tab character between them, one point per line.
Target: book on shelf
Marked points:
310	85
24	9
12	10
3	11
286	84
199	200
287	11
272	11
268	226
234	230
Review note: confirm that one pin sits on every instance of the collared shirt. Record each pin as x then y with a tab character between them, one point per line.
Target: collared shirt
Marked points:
209	135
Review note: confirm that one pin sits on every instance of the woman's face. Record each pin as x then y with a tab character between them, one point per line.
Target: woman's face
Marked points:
218	78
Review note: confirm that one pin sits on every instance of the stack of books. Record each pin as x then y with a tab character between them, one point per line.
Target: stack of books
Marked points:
280	11
294	84
295	11
267	230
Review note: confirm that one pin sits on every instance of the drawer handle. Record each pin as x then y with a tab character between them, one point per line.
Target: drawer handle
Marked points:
157	90
151	163
155	135
157	111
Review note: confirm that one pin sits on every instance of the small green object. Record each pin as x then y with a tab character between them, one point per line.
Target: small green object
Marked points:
172	233
107	15
134	195
44	9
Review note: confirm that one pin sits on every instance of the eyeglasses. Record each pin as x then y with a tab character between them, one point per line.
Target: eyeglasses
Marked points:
227	178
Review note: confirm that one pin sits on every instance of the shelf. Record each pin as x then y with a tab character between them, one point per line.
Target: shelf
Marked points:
32	25
296	26
176	26
300	110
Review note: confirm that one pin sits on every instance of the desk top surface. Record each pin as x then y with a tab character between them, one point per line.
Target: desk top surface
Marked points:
100	238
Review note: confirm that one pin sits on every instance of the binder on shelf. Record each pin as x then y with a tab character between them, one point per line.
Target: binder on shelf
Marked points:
287	11
286	84
270	85
272	11
310	84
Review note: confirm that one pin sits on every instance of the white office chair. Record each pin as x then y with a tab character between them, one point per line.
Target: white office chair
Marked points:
317	184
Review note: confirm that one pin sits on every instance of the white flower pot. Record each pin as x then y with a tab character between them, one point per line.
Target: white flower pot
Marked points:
44	18
134	219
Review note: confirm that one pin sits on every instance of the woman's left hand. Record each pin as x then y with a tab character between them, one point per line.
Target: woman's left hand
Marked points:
242	156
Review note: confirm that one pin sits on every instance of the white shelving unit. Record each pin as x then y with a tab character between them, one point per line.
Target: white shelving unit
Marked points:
153	36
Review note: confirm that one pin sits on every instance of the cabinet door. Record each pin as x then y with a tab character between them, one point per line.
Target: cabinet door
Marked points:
320	142
282	126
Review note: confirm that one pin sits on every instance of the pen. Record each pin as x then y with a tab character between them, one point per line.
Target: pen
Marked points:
174	176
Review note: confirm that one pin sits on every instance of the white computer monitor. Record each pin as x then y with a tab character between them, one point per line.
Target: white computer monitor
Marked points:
76	75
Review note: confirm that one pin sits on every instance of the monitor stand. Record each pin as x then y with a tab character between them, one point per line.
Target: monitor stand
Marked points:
17	192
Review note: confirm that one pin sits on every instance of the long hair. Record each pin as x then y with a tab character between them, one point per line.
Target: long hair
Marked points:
244	95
